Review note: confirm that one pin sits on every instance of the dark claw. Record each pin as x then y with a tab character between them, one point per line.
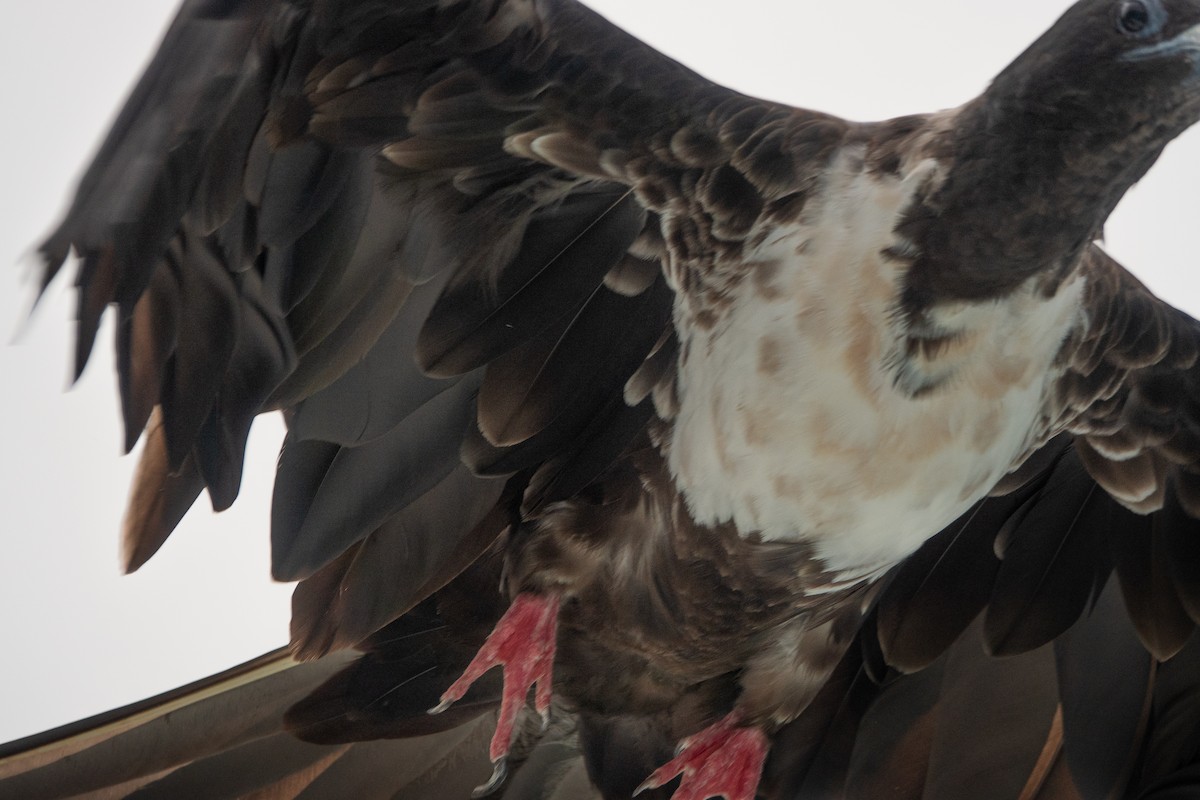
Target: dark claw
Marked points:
499	773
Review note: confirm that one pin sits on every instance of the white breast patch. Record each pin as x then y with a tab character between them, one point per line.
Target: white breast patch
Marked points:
791	423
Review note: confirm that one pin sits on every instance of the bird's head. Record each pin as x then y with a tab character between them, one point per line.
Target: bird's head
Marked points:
1118	71
1056	141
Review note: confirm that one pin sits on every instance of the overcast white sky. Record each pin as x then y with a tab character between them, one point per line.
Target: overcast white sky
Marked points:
75	637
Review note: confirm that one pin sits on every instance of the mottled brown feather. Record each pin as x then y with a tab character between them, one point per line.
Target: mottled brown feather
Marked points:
291	184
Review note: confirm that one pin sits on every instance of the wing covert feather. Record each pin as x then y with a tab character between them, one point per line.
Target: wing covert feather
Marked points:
311	207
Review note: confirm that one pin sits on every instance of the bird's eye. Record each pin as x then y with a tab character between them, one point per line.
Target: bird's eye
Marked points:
1133	16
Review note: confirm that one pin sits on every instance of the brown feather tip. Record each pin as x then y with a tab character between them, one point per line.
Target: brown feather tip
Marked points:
287	121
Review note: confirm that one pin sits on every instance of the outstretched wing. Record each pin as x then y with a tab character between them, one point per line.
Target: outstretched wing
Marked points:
1092	715
1117	492
1129	396
432	233
1129	388
224	737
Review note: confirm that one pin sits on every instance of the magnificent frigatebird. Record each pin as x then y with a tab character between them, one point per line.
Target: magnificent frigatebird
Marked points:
721	364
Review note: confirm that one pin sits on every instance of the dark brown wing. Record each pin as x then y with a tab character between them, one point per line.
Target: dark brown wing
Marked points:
430	233
1129	391
1103	511
1114	492
1117	491
1077	708
224	737
1130	397
1090	716
335	727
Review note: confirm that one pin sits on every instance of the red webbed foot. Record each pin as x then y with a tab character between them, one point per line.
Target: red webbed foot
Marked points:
723	760
523	643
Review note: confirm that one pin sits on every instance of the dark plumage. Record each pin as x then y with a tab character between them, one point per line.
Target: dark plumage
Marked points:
546	310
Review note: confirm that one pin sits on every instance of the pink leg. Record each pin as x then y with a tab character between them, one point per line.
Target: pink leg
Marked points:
723	760
523	643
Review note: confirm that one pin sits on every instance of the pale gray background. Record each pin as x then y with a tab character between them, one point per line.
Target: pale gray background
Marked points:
75	637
